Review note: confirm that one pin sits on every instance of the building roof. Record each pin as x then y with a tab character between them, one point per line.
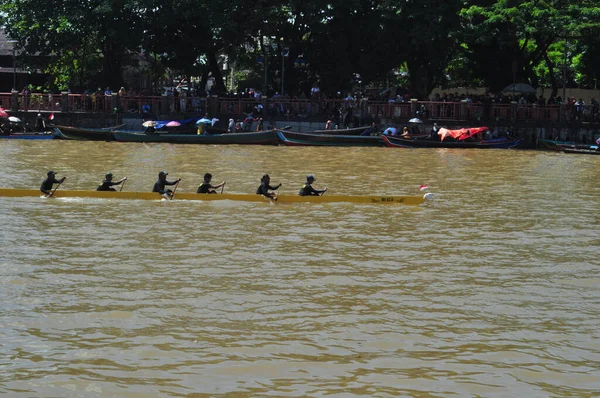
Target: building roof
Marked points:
6	47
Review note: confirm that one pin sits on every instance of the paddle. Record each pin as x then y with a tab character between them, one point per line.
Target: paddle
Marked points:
174	189
222	187
52	193
123	183
276	193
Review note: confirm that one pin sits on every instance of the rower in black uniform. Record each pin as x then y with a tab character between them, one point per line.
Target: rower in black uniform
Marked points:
107	184
264	187
159	186
205	187
308	190
50	181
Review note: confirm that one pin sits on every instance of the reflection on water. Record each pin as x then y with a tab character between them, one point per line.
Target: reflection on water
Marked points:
489	290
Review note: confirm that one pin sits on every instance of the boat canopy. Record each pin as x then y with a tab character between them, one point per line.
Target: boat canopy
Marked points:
461	134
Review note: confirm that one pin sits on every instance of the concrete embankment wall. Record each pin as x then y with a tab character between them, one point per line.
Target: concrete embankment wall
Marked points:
578	132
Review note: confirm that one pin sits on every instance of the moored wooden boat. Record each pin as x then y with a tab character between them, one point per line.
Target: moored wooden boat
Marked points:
371	199
183	129
86	134
106	134
554	145
551	145
349	131
415	136
29	136
498	143
580	151
290	138
252	138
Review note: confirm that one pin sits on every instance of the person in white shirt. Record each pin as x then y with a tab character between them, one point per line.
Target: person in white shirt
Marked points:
315	90
183	101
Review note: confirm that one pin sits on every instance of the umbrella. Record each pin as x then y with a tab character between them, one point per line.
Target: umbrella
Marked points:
519	88
415	120
149	123
3	113
204	121
14	119
173	123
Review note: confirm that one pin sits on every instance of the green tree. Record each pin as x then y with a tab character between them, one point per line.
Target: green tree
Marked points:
494	42
506	40
587	73
71	30
429	32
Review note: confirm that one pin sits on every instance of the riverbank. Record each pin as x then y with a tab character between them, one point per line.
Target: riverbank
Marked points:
579	132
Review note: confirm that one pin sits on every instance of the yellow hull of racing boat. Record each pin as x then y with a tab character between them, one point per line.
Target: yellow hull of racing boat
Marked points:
372	199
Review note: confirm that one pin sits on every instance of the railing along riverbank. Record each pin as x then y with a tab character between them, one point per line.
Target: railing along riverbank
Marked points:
297	108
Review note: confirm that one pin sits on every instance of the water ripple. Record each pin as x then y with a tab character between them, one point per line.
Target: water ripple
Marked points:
489	290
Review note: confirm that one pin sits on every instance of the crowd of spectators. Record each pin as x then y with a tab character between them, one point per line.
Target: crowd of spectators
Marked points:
340	106
343	109
328	105
573	108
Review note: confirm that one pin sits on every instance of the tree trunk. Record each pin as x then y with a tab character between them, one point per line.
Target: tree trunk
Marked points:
552	76
216	72
421	82
112	72
204	79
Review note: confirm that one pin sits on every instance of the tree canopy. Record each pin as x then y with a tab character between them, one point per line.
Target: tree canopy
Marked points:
419	44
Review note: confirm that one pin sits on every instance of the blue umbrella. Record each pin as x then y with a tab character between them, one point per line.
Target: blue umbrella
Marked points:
520	88
204	121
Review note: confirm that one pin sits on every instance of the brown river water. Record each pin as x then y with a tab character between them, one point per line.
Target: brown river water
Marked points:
491	289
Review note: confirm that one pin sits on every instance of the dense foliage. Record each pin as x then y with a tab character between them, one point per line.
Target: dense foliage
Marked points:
419	44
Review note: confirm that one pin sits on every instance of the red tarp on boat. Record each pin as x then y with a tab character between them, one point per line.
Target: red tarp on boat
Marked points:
461	134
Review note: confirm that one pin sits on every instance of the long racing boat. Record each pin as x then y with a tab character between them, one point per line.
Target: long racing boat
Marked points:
348	131
251	138
371	199
290	138
84	134
498	143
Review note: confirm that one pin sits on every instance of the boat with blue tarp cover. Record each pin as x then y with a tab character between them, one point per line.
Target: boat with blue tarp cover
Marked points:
29	136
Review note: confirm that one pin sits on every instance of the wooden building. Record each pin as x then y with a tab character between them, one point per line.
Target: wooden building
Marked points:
13	73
